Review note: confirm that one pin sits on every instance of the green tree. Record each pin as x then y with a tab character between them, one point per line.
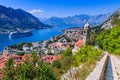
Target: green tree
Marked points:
28	70
87	54
9	71
44	72
66	53
56	64
35	57
110	40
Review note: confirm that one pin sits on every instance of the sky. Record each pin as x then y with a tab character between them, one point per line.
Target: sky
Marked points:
63	8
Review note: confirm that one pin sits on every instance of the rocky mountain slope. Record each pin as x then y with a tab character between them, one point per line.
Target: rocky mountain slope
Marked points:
17	18
77	20
112	21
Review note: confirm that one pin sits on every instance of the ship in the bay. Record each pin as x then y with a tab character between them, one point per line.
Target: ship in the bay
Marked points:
20	34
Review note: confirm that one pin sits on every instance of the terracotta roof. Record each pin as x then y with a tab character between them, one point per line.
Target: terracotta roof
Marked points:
60	45
25	56
50	58
2	65
79	43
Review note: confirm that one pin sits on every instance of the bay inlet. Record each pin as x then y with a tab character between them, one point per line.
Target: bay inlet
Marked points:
38	35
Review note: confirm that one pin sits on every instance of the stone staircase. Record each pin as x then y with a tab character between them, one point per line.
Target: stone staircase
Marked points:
115	67
107	69
108	72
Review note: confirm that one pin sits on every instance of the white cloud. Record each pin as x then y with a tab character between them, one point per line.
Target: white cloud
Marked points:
34	11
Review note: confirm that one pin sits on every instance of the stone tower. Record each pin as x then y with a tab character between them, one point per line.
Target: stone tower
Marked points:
86	33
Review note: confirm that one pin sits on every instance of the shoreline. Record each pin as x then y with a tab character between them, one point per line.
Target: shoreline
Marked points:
2	47
62	30
9	31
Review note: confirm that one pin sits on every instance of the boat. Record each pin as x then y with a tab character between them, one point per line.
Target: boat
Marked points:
20	34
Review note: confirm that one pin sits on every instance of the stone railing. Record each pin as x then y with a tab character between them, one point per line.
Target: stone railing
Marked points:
98	72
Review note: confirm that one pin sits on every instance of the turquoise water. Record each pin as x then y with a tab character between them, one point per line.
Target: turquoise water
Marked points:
38	35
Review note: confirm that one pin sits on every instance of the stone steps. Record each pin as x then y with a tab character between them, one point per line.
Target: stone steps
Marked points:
107	69
111	71
108	72
98	72
115	67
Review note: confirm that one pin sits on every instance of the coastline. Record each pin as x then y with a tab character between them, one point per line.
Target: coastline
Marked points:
38	35
9	31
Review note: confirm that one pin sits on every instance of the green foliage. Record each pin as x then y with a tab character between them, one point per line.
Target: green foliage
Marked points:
56	64
9	70
66	63
86	69
21	53
45	73
29	70
110	40
10	63
35	57
62	66
87	54
66	53
87	57
91	41
26	71
34	69
116	20
20	45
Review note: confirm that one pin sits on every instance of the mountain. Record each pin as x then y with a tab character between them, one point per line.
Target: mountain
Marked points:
109	36
77	20
112	21
17	18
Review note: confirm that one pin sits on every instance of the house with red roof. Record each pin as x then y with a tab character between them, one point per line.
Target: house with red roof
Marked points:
79	43
50	58
58	47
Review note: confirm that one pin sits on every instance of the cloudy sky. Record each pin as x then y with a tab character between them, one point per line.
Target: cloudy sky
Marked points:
62	8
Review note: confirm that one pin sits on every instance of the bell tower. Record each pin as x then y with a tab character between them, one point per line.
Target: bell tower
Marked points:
86	33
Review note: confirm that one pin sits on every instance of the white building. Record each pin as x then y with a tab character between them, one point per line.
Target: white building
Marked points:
26	48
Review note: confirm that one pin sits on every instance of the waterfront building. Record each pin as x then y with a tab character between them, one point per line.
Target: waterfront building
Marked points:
26	48
8	50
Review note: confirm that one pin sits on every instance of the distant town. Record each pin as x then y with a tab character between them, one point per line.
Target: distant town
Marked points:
48	50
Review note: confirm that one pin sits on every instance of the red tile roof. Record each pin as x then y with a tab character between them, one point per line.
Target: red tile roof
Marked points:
79	43
25	56
2	65
50	58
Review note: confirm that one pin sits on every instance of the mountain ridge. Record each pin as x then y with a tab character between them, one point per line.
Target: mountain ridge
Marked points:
12	19
78	20
112	21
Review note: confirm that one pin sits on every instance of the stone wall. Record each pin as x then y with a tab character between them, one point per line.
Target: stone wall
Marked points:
98	72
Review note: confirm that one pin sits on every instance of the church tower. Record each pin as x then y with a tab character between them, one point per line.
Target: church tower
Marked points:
86	33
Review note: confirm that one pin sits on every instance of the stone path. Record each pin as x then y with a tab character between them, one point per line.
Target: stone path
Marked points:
112	71
108	72
110	64
115	67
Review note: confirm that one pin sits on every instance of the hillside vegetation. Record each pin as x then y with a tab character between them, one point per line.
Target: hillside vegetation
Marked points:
110	40
28	70
86	56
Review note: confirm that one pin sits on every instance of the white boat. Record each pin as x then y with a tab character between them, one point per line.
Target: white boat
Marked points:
20	34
